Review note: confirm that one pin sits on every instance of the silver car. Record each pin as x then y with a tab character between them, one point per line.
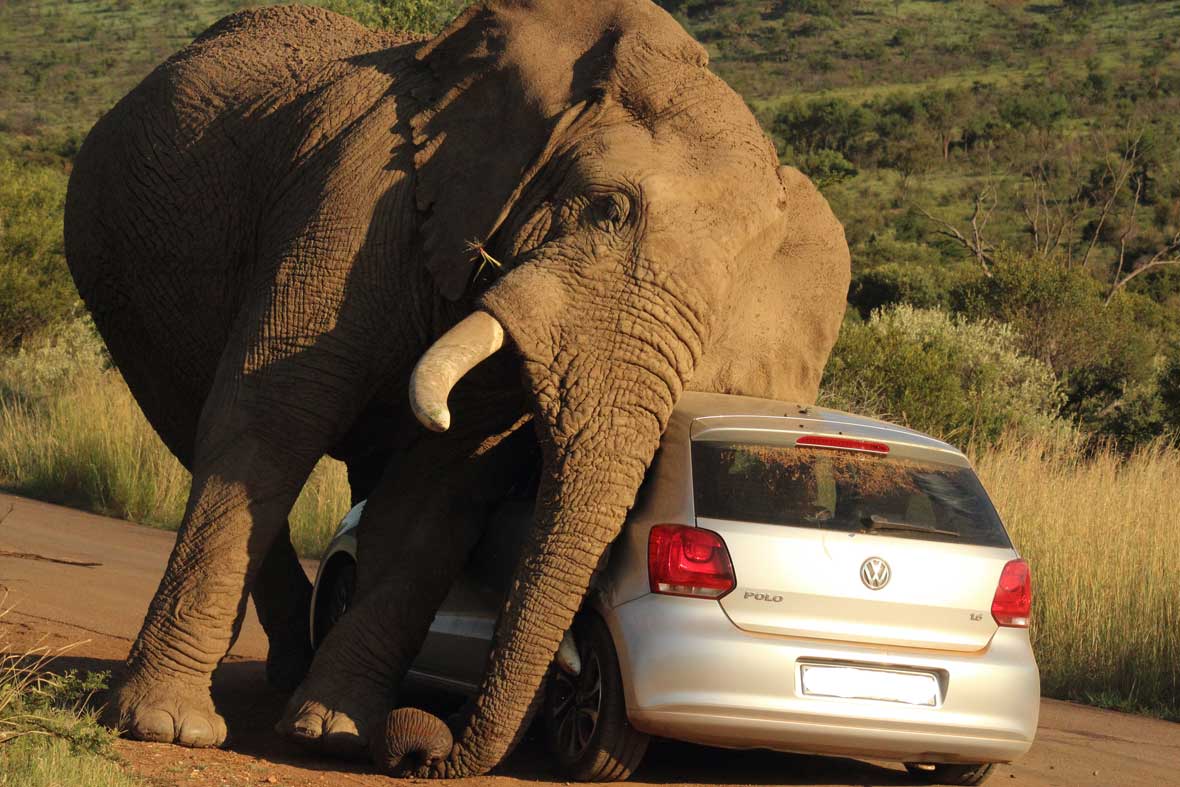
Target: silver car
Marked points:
791	578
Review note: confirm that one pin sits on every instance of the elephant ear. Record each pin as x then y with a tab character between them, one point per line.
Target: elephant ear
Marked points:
815	264
791	293
503	80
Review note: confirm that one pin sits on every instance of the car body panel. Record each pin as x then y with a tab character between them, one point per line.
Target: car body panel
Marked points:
690	674
938	595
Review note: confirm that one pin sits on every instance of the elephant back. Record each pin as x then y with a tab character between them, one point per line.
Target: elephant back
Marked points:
167	189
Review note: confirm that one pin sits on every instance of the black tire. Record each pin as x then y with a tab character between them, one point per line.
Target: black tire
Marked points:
942	773
585	717
334	596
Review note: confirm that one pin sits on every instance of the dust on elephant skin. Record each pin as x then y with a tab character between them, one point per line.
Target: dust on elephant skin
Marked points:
278	224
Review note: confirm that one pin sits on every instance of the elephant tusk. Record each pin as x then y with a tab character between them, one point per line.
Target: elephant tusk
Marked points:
453	355
568	658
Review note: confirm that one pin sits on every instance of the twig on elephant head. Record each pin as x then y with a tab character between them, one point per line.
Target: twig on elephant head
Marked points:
485	258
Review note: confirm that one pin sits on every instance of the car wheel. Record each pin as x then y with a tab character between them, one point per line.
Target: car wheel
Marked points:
585	716
334	597
941	773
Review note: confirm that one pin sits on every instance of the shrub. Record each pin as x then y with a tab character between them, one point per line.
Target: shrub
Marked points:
1169	393
47	736
838	8
961	380
35	286
48	361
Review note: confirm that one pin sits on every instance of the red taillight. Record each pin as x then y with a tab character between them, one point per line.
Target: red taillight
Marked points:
844	443
1012	604
688	561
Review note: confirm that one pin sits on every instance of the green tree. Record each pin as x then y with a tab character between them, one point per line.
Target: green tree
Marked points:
35	287
944	111
826	123
1038	109
1106	355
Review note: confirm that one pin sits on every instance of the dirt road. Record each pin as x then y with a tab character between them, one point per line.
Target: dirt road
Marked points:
81	580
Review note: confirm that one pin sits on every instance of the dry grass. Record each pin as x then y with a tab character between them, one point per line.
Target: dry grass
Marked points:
86	444
1101	535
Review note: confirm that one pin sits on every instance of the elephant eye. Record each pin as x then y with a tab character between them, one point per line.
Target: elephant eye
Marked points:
610	211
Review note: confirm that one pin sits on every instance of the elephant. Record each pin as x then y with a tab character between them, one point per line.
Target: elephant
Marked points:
300	237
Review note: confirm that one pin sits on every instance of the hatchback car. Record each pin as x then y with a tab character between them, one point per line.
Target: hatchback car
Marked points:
790	577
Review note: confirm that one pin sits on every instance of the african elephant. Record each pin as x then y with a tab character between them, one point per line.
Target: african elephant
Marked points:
298	234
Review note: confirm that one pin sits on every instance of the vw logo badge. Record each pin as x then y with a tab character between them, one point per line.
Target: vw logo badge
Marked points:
875	573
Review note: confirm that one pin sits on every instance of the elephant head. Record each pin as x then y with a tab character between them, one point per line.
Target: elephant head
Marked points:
633	235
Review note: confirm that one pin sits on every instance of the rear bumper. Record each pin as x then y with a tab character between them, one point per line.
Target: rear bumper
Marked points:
690	674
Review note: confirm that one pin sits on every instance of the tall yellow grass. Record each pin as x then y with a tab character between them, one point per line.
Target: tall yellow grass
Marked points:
87	445
1102	534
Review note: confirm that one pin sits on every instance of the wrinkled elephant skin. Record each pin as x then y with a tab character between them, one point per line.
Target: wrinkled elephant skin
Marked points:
282	219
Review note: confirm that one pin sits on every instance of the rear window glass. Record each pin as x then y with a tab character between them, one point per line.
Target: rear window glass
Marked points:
843	491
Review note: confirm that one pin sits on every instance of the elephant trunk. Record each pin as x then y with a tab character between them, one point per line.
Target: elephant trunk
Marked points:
478	336
412	738
590	480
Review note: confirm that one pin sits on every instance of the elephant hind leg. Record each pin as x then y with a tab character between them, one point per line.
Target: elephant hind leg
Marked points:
282	598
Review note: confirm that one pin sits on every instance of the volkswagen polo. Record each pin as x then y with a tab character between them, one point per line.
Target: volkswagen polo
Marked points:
790	577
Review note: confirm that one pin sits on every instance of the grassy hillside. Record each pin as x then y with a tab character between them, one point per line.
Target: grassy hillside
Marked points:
62	64
771	49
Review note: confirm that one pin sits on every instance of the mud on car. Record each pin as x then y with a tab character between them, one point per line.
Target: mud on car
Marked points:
790	577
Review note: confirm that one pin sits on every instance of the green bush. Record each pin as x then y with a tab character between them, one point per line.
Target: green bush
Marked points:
35	287
965	381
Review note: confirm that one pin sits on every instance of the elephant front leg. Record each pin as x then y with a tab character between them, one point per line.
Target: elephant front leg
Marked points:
238	505
418	530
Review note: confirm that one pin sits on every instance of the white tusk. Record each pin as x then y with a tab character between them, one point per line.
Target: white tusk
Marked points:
567	655
453	355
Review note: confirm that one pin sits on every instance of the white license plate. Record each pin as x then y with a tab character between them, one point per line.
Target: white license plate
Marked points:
912	688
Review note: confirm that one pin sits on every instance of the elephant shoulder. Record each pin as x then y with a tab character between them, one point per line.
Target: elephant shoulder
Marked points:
307	31
266	54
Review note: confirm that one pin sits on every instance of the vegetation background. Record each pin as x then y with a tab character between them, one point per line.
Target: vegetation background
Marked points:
1007	174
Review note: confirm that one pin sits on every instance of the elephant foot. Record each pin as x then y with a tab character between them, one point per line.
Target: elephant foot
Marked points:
288	660
165	711
339	723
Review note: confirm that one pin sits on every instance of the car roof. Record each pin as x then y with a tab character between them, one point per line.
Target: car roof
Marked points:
699	413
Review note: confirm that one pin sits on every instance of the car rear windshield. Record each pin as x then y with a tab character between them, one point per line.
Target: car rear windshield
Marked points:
843	491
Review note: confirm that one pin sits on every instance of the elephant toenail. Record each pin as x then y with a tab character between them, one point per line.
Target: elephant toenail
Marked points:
305	728
154	725
195	732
